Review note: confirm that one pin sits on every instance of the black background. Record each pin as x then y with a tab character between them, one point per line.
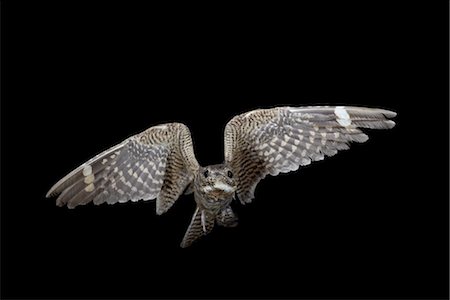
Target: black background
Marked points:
369	222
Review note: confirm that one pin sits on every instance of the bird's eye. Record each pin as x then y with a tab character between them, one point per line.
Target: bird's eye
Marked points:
205	173
230	174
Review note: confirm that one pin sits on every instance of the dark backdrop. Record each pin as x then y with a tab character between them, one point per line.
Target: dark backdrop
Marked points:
369	222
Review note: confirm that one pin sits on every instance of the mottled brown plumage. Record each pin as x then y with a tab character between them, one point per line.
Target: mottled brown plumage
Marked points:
160	164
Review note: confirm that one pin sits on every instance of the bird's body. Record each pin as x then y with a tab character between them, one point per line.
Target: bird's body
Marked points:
214	189
160	164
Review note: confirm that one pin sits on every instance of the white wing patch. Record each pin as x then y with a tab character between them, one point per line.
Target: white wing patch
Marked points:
89	188
87	170
343	118
161	127
89	179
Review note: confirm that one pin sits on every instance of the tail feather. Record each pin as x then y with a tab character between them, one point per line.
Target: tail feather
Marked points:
201	224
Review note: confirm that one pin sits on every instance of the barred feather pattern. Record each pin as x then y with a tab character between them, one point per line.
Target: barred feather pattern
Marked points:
280	140
201	224
157	163
227	218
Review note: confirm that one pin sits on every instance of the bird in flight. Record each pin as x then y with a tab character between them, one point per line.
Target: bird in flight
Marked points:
159	163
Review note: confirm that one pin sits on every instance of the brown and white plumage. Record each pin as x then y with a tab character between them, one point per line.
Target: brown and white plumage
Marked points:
280	140
157	163
160	164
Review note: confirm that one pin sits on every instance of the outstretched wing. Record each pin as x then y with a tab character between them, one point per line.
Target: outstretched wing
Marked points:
279	140
157	163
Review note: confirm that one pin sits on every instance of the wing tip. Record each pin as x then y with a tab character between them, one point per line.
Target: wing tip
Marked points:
389	113
390	124
385	112
51	192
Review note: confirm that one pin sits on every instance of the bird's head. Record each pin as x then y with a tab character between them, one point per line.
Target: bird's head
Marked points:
216	181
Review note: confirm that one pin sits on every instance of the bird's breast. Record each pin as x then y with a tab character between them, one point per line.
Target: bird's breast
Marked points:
214	201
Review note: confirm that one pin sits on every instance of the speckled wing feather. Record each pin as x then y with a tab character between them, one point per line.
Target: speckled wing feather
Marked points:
156	163
281	139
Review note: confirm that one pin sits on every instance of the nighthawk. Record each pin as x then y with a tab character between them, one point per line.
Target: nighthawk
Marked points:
159	163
